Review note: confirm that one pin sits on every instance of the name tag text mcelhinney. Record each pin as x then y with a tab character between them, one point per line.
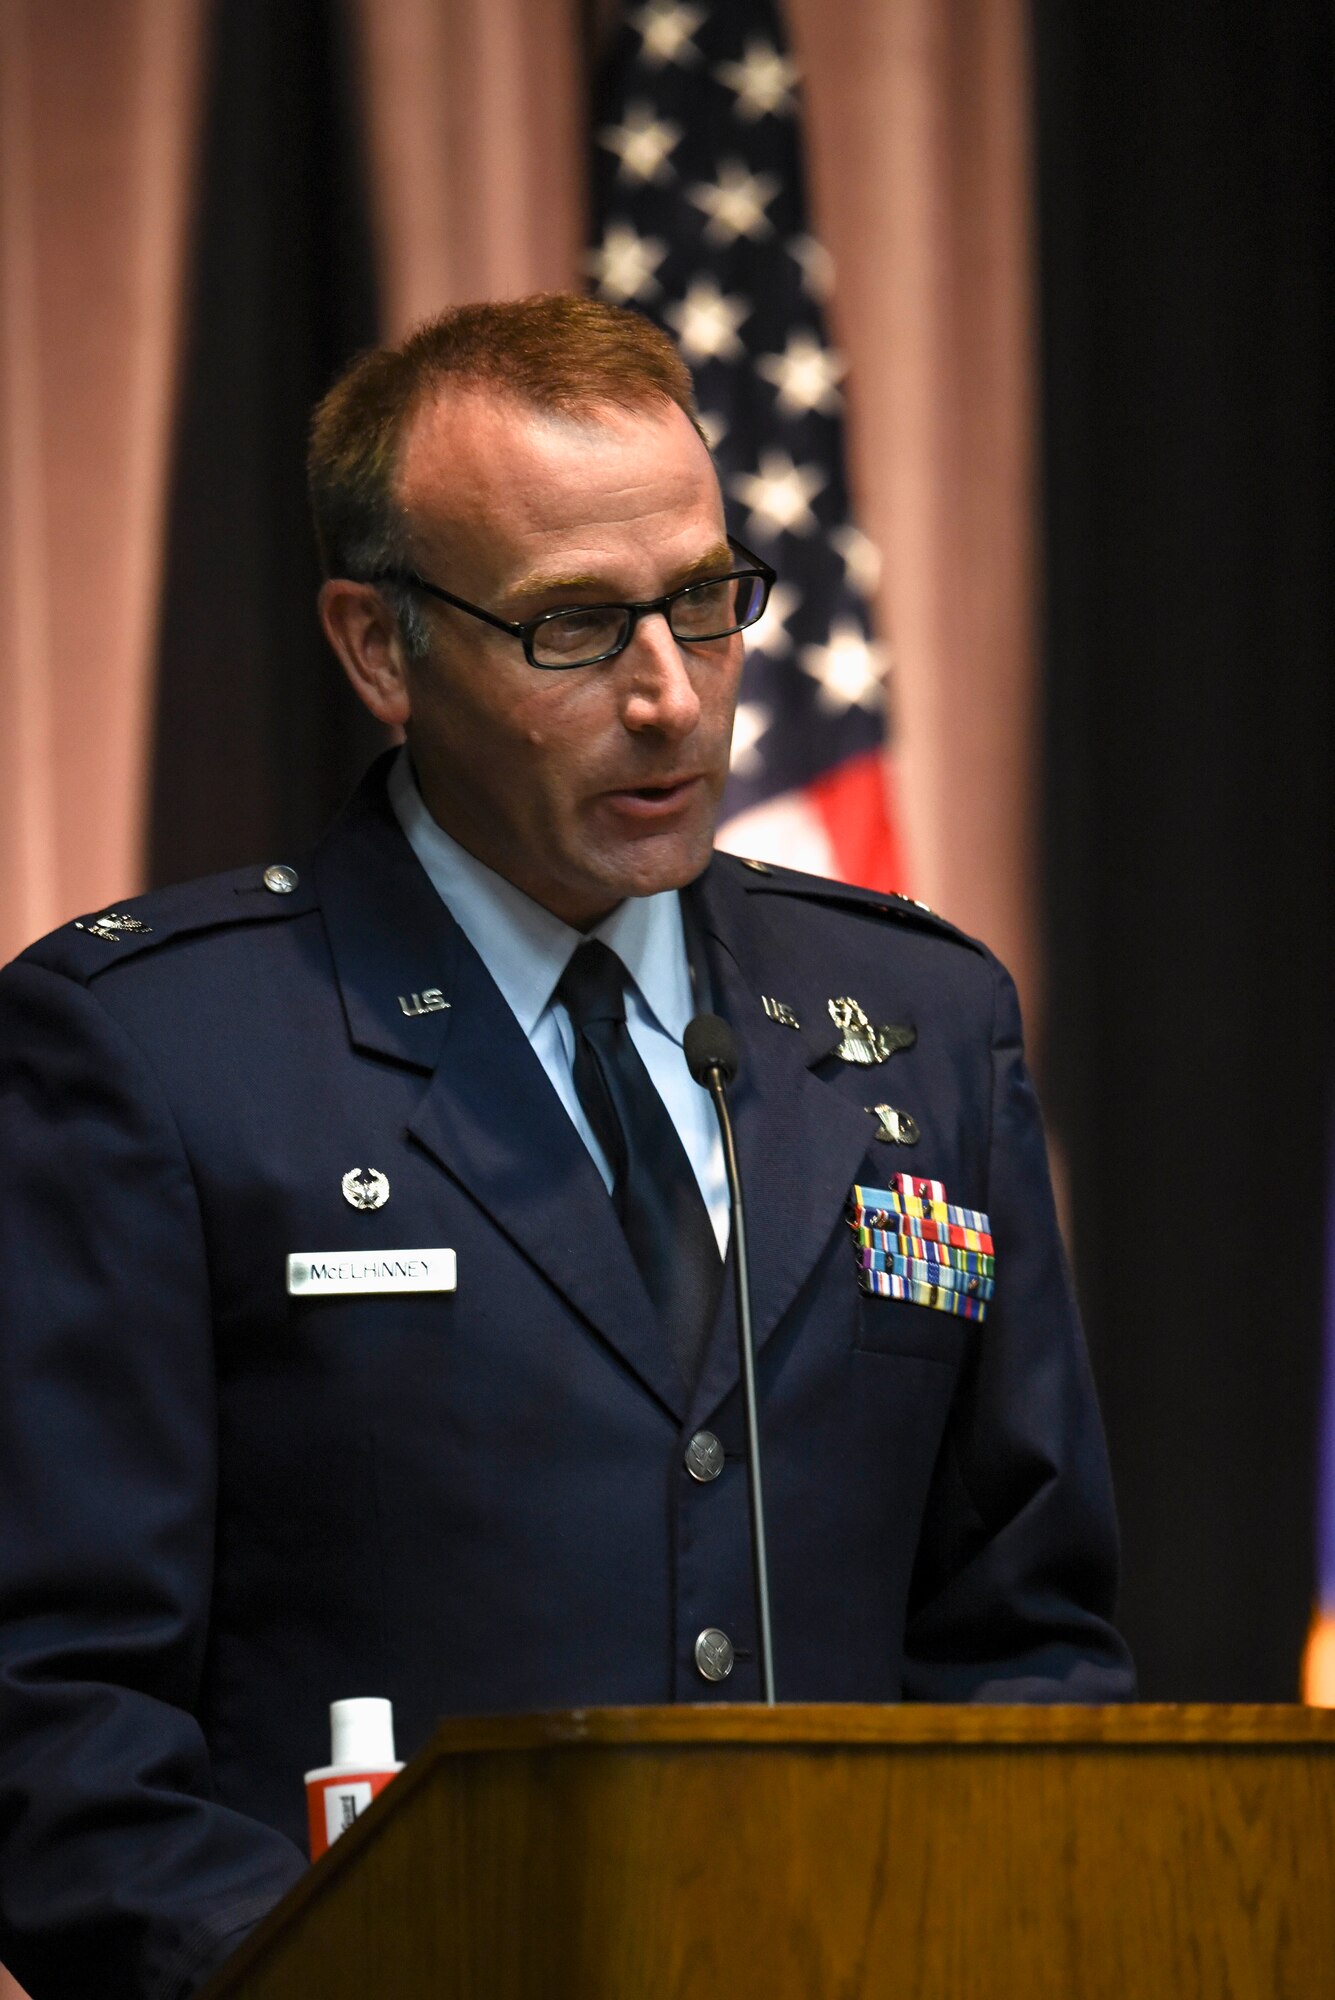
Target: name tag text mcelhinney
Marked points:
315	1271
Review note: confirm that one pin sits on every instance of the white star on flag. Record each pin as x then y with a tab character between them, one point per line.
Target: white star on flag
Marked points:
749	725
861	558
707	320
780	494
769	634
642	144
699	115
625	263
805	375
850	670
665	29
816	265
763	80
735	203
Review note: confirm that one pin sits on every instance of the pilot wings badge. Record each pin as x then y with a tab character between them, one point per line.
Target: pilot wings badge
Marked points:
860	1042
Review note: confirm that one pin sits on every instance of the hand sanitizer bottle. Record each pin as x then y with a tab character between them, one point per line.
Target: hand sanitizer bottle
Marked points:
361	1765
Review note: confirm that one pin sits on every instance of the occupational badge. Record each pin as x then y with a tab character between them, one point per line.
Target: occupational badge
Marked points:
114	926
862	1043
897	1128
365	1187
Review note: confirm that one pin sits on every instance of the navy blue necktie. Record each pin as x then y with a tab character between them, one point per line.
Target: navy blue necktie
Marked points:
654	1189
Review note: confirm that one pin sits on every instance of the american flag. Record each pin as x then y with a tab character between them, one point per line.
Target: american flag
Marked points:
700	223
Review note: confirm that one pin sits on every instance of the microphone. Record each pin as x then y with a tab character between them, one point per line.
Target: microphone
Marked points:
710	1044
711	1057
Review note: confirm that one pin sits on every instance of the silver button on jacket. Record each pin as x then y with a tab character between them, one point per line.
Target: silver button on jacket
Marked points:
714	1655
704	1457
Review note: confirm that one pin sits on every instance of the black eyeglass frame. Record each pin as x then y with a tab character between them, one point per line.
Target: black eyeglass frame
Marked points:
526	629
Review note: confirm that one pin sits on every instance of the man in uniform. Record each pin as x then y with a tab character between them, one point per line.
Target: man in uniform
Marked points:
364	1237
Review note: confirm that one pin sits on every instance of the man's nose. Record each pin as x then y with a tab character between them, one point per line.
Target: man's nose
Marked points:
660	693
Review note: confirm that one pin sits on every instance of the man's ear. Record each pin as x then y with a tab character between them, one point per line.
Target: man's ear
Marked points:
364	632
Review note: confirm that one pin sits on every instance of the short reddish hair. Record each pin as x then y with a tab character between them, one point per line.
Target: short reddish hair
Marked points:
556	351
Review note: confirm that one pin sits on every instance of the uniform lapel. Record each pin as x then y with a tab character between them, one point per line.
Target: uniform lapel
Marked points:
395	945
493	1121
800	1143
488	1116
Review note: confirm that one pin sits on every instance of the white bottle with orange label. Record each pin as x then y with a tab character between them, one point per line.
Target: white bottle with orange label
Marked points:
361	1764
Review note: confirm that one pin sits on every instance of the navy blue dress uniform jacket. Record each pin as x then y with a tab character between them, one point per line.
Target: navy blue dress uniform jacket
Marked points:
222	1507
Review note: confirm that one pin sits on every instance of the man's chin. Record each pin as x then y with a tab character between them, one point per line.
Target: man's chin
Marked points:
666	861
652	864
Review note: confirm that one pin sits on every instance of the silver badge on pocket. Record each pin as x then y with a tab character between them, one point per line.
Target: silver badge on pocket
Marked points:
896	1128
365	1187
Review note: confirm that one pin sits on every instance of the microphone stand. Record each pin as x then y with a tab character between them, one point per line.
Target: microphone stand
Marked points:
746	1346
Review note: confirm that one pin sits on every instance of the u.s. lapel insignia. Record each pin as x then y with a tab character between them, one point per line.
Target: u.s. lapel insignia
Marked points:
365	1187
778	1011
897	1128
429	1001
115	925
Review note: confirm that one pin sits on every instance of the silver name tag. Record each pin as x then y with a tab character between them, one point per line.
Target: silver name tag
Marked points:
313	1271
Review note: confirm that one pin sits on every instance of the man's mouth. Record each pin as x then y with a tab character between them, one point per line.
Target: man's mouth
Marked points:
658	800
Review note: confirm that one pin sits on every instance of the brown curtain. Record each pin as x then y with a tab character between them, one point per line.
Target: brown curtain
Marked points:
917	135
97	119
476	140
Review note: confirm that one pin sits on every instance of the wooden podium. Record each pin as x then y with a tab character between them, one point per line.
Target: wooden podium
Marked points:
827	1853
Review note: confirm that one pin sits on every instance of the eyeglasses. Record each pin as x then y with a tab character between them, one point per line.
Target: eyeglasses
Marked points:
581	637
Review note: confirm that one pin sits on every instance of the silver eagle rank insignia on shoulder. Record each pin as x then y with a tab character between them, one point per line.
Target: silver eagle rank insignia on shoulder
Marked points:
115	925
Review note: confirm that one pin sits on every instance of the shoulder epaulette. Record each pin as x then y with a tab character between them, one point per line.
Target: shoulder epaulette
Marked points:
94	943
768	877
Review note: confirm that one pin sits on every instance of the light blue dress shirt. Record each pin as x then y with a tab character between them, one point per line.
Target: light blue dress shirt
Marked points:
526	949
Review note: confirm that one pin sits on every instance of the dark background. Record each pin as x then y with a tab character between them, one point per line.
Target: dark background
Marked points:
1184	156
258	736
1185	183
